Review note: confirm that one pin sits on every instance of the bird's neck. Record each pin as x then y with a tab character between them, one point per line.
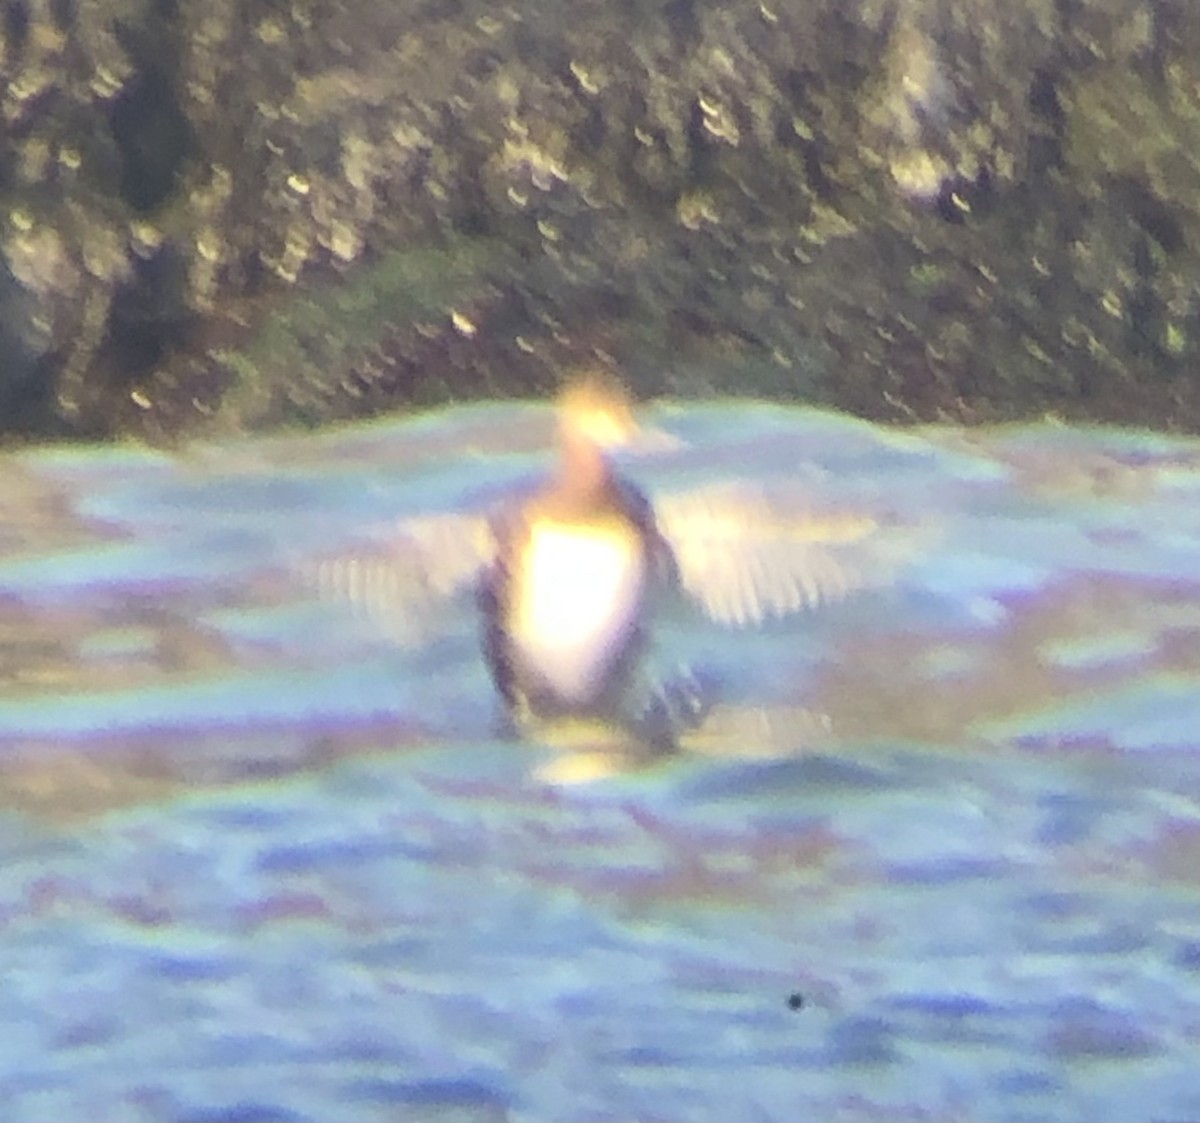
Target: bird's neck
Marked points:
584	478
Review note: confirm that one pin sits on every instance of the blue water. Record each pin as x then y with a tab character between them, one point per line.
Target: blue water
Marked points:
937	854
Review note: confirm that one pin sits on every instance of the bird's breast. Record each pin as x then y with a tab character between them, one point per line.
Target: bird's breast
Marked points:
577	597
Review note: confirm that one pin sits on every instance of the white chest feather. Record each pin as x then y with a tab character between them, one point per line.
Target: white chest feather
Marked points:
578	597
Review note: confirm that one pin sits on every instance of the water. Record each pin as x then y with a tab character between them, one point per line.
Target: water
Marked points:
938	857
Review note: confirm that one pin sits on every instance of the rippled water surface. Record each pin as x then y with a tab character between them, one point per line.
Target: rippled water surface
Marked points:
937	857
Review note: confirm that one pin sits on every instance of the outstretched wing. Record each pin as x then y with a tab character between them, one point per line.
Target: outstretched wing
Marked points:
404	581
746	553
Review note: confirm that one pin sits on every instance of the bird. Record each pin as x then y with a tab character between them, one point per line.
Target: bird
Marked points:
567	599
573	572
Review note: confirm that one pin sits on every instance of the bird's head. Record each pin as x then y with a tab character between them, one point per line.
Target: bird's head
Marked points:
594	409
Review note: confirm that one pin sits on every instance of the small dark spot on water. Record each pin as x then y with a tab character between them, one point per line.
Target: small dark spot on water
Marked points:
795	1001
